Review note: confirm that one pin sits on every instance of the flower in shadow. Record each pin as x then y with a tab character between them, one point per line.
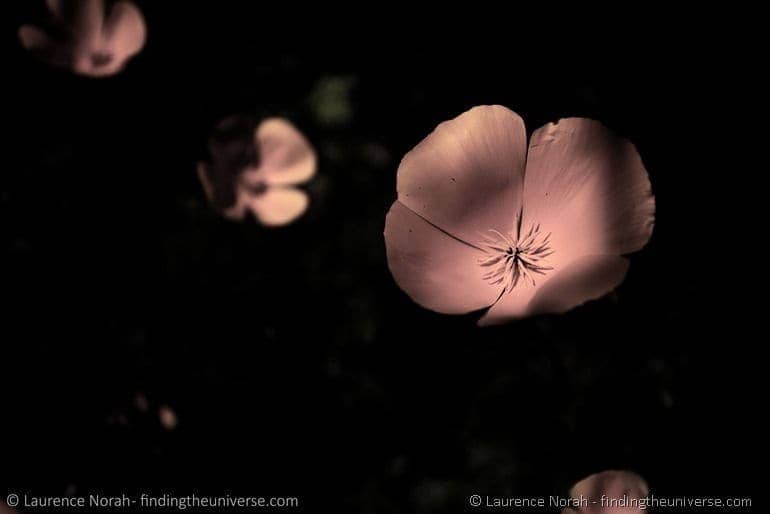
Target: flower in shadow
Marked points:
254	168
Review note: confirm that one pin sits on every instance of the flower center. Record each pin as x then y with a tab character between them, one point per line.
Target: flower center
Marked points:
256	188
515	260
99	59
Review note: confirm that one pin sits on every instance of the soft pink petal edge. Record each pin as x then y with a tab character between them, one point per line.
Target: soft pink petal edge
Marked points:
466	177
436	270
286	157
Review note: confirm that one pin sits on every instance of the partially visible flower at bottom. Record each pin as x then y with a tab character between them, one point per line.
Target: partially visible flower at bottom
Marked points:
609	492
484	221
86	38
254	168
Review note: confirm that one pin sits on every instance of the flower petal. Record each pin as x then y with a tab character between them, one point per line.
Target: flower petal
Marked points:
610	485
84	17
236	181
587	278
589	188
35	40
285	155
125	30
466	177
436	270
278	206
46	48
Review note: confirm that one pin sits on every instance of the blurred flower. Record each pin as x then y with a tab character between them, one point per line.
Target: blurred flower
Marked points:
481	221
85	39
254	168
609	492
167	417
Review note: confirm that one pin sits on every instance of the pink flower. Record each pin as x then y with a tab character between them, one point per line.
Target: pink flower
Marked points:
255	170
86	40
482	221
609	492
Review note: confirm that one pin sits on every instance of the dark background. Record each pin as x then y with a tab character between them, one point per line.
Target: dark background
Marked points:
294	363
